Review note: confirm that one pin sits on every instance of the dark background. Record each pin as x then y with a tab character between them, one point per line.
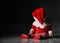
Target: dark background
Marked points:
16	15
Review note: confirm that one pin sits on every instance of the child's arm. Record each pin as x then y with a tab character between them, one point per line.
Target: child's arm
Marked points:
31	31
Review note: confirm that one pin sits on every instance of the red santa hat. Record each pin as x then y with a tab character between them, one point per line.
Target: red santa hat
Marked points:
39	15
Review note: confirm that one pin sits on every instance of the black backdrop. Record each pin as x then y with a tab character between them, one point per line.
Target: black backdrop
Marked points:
16	15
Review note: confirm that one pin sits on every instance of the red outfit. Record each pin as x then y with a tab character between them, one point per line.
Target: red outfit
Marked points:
39	15
39	26
47	28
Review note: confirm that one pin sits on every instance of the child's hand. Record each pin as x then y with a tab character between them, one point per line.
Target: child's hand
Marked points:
31	31
50	33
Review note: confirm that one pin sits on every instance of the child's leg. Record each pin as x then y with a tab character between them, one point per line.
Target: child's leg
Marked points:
44	35
36	36
24	36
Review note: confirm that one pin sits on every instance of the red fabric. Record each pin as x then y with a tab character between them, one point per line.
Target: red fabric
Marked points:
36	36
24	36
39	30
39	14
